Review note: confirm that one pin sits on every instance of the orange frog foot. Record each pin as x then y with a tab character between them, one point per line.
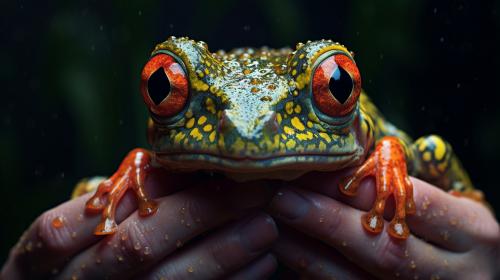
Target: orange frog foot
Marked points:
130	175
388	164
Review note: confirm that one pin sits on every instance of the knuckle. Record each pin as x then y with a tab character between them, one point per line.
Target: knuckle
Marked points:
55	239
388	254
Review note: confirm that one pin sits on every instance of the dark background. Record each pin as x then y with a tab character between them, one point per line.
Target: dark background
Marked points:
71	108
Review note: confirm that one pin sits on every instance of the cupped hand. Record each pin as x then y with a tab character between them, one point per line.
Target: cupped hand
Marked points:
321	235
202	229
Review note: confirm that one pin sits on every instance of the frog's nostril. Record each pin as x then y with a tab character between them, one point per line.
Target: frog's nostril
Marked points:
225	123
271	125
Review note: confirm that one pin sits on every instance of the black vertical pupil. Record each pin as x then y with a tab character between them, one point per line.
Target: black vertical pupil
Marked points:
340	84
158	86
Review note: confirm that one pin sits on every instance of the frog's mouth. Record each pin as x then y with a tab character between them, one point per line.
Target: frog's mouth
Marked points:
286	167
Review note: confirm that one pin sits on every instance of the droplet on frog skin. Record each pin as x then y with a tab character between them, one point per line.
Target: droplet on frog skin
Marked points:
165	237
147	250
119	258
321	219
137	246
73	234
58	222
190	269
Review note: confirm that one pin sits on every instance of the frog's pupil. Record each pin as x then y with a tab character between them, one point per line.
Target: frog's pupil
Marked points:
340	84
158	86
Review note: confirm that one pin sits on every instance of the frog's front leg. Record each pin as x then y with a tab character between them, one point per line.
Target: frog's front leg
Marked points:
130	175
388	164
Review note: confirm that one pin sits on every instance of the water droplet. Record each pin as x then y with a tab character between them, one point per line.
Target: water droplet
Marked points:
178	244
165	237
119	258
80	217
73	234
123	237
58	222
321	220
137	246
413	265
344	243
29	246
190	269
147	250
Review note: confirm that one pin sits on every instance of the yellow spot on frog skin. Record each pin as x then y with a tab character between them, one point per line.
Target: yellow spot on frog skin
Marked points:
179	136
207	71
294	72
213	89
211	137
322	146
295	93
325	136
278	118
442	166
422	145
440	148
189	114
247	71
301	56
309	124
210	105
207	128
195	133
190	123
297	123
288	130
427	156
202	120
305	136
298	109
289	107
290	144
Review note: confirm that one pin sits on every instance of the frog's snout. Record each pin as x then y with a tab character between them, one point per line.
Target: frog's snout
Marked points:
248	128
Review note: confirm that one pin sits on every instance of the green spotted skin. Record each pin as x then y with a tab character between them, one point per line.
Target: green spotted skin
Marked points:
251	115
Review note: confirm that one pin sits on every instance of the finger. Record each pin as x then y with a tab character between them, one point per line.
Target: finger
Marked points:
312	259
262	268
339	226
448	221
141	242
222	253
66	229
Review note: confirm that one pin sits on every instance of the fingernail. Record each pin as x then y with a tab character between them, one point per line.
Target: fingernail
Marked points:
289	204
258	233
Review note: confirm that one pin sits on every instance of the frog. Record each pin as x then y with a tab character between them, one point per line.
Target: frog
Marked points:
262	113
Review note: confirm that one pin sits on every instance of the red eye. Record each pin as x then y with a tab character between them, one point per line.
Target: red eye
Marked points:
164	86
336	86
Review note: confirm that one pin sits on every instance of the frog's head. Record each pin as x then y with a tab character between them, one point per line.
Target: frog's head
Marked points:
263	112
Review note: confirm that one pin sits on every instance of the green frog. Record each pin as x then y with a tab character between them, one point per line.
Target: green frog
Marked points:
276	114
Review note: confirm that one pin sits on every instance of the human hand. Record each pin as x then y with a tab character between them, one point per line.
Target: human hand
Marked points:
209	229
452	238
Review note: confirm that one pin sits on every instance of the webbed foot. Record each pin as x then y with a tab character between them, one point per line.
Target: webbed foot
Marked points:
130	175
388	164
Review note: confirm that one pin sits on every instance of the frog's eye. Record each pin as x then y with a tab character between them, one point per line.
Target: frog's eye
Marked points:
164	86
336	85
